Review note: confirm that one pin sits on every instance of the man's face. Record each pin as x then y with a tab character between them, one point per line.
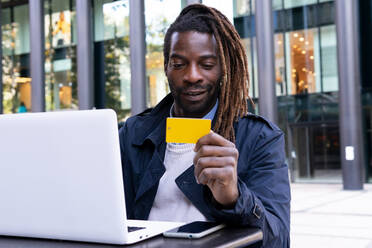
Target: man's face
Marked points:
193	72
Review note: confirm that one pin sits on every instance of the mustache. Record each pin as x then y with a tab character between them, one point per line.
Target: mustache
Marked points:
195	87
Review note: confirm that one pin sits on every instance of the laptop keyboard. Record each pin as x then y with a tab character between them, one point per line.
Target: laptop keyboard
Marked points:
134	228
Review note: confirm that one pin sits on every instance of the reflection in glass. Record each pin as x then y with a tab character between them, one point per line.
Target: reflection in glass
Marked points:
116	19
297	3
306	62
243	7
311	60
60	56
225	7
99	23
117	76
60	27
111	34
280	76
277	4
22	29
316	153
328	48
157	22
250	45
15	60
301	49
367	112
244	23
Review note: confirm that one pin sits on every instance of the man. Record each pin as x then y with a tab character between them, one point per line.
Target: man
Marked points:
237	173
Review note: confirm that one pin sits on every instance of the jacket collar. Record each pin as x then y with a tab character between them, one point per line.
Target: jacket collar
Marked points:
151	125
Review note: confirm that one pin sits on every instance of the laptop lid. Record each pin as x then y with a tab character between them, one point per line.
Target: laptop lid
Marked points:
61	176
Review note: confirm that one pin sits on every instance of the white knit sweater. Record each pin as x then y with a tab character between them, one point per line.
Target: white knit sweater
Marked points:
170	203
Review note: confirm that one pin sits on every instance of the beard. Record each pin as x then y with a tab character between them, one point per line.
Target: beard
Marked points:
195	109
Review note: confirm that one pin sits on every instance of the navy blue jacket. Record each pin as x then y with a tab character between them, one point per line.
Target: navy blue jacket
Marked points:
263	184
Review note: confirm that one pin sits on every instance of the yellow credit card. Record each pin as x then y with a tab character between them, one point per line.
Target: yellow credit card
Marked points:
186	130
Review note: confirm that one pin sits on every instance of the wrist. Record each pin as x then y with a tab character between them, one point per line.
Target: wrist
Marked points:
228	202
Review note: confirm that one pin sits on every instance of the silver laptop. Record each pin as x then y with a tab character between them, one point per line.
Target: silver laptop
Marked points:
61	178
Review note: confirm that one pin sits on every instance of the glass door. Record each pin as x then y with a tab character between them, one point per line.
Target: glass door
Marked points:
367	109
315	153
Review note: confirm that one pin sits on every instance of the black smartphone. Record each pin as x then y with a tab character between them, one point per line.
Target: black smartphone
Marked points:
194	230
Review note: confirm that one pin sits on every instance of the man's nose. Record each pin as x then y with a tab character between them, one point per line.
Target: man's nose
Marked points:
193	74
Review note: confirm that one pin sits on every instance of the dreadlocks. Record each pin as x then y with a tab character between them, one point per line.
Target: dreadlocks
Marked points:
234	82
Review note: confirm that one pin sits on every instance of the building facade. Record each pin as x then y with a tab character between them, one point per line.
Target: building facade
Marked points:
306	72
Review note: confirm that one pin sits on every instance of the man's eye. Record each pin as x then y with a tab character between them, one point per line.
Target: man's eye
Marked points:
208	66
177	65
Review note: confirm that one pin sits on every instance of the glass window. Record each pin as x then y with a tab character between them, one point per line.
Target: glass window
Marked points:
243	7
21	29
247	45
99	22
311	56
58	23
329	58
7	61
306	61
250	50
60	55
280	75
183	3
367	131
316	153
244	24
111	19
15	60
301	62
277	4
297	3
7	37
111	34
157	23
225	7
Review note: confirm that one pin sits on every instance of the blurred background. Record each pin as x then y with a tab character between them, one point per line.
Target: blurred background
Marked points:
306	71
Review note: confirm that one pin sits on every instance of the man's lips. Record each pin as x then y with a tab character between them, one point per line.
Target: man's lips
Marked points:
193	95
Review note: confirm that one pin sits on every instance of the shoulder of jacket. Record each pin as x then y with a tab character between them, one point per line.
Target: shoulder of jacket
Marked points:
138	117
151	114
258	120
